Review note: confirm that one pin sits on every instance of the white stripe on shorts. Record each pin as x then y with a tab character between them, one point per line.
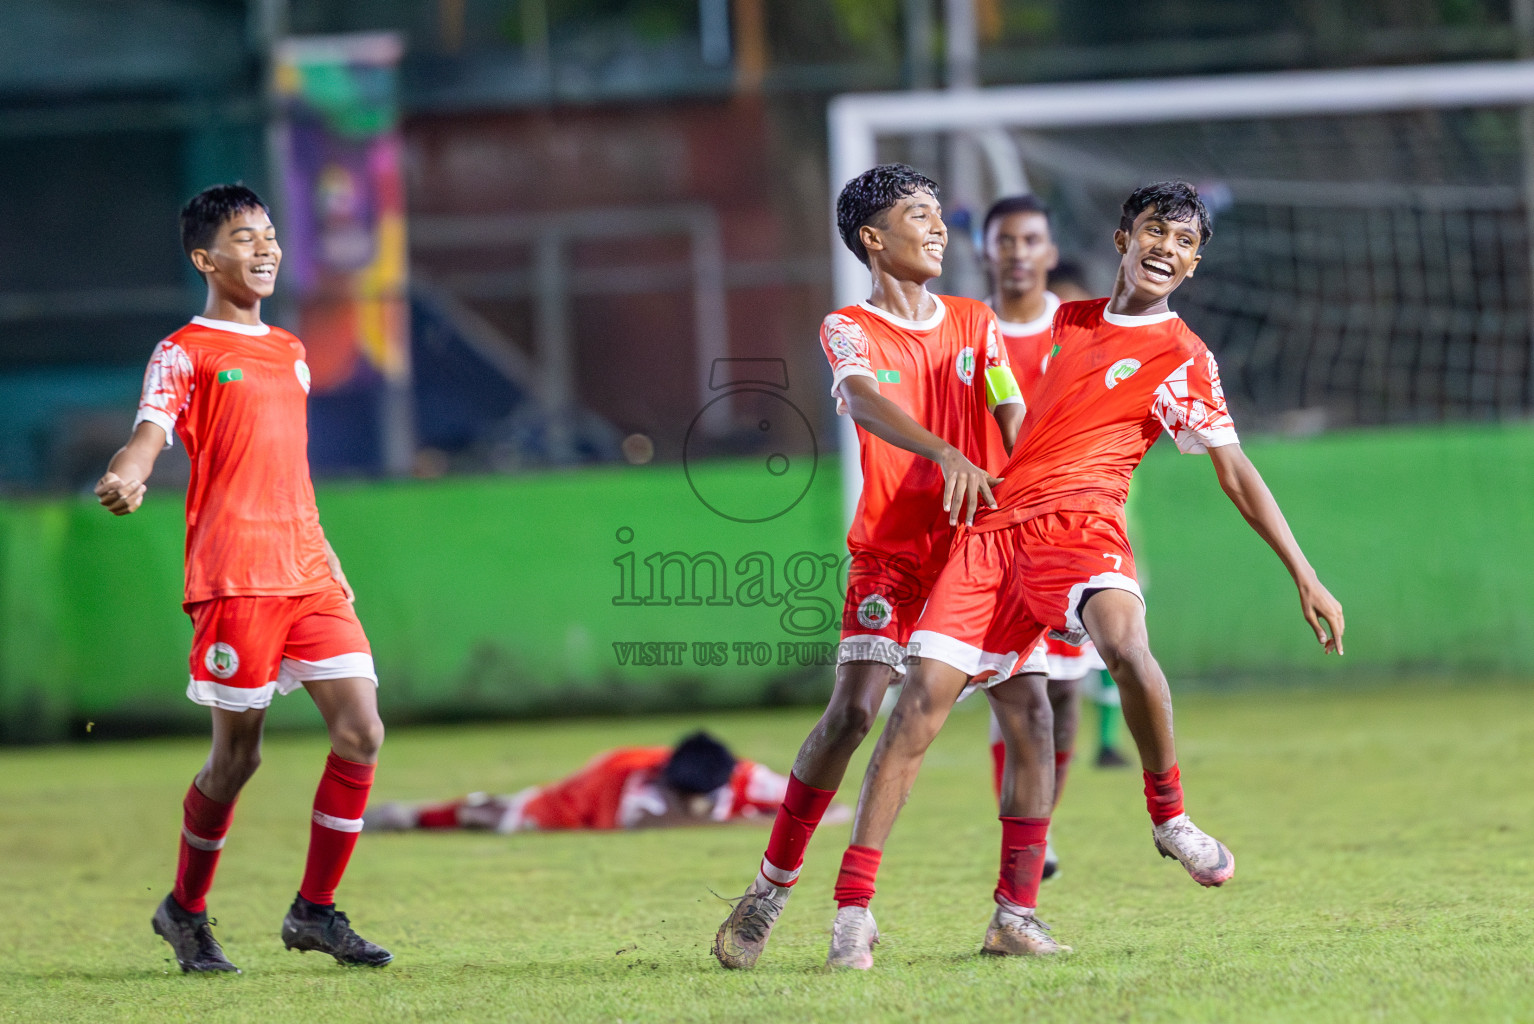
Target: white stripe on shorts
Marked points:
295	673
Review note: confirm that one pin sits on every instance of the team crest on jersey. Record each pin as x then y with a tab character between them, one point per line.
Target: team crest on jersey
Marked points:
222	660
1120	372
965	364
874	612
845	337
301	368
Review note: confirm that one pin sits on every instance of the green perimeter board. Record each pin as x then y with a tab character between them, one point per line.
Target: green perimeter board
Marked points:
507	595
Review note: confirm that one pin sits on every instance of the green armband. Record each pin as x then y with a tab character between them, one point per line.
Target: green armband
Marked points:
1000	385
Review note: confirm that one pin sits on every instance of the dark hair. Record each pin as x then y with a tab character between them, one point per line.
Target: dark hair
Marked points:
207	211
1173	200
699	764
1008	205
1068	271
870	194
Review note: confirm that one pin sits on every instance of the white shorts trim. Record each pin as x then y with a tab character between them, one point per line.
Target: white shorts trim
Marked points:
339	824
872	647
294	673
967	658
1076	633
213	694
1066	666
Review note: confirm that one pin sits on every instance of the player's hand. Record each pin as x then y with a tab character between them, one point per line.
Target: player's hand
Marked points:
119	496
965	485
339	575
1318	606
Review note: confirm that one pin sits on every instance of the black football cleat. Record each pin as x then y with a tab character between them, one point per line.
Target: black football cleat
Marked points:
327	930
191	939
1108	757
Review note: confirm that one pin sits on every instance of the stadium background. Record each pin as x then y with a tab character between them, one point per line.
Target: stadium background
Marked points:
603	200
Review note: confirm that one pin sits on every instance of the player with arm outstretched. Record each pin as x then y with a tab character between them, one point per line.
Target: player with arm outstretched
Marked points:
922	376
271	608
1053	556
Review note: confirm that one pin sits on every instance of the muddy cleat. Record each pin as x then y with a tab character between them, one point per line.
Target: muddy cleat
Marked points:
327	930
191	938
1023	934
1207	859
743	936
1051	859
853	937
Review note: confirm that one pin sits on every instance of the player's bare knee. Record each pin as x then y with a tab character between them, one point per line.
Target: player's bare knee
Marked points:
849	721
358	740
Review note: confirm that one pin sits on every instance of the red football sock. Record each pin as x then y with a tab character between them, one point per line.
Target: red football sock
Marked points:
803	807
1062	767
438	815
1163	794
204	823
998	761
855	884
1022	860
338	807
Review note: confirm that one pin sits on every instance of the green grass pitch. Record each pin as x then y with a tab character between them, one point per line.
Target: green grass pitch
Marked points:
1384	842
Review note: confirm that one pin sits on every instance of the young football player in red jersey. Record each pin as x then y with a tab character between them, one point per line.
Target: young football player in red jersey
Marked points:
922	377
1053	556
1020	253
271	608
697	782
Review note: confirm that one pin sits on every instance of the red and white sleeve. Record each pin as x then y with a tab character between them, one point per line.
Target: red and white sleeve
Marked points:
167	388
1191	406
846	347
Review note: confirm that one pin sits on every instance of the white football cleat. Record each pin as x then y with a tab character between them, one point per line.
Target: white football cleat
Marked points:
743	936
853	936
1019	934
1208	860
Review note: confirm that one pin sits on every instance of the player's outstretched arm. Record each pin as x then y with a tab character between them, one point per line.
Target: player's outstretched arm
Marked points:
965	484
121	489
1246	489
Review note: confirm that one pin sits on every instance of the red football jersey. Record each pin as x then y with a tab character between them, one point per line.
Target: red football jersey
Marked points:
237	397
936	371
615	788
1028	344
1114	383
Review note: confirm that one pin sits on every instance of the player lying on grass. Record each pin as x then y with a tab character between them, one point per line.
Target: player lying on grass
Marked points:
270	607
1020	257
696	783
1052	556
922	377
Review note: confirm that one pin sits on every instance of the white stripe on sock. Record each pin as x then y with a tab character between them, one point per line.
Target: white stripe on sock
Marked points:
339	824
778	876
197	842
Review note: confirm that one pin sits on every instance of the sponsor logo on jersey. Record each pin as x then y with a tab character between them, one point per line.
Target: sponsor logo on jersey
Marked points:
1121	371
301	368
226	376
887	376
222	660
874	612
965	364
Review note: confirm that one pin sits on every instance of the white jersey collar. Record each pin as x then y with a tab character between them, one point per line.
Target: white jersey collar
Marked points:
252	330
910	325
1120	320
1035	326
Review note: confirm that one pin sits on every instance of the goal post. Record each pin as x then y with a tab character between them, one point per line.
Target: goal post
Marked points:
1450	180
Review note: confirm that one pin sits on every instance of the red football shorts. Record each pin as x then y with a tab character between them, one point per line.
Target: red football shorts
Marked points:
885	596
245	649
1003	590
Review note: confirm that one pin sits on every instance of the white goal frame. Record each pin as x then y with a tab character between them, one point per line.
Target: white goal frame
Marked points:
857	120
